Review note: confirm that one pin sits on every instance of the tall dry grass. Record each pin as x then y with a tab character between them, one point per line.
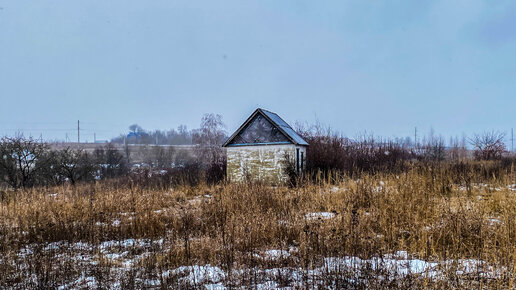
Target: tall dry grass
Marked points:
433	213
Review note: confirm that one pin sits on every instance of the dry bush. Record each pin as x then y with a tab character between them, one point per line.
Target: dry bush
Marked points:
330	152
488	145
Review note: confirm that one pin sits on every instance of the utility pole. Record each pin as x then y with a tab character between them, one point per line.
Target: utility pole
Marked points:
415	136
78	132
512	139
94	137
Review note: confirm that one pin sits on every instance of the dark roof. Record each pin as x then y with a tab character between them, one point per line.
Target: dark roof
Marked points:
276	121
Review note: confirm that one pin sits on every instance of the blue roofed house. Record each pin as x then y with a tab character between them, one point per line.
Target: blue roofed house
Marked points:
262	147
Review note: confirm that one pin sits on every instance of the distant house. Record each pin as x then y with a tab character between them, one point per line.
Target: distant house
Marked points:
133	135
261	147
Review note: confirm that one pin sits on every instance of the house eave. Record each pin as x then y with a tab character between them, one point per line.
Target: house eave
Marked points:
260	144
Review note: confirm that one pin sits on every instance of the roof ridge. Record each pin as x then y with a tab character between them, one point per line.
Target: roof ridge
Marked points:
287	124
262	109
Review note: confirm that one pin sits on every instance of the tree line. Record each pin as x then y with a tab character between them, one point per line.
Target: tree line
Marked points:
179	136
27	162
330	152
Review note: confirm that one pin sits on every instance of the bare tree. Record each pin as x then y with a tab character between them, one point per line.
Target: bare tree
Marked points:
21	159
488	145
209	152
212	130
210	137
434	148
157	156
74	164
163	156
111	162
457	150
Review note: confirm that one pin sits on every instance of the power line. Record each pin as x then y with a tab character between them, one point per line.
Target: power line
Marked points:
40	130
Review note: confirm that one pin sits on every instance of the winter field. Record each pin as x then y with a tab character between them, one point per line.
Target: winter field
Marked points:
422	228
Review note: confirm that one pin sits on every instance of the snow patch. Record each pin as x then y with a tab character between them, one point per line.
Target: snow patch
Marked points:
323	215
196	275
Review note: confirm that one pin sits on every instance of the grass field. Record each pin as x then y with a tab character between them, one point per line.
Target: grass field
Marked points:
422	228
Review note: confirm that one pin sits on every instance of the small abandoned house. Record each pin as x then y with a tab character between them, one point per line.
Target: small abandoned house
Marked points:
264	148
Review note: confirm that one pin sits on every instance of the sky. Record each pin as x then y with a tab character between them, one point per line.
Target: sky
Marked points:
382	67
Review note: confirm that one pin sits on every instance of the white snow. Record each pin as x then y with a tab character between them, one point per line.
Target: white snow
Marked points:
493	221
276	254
324	215
397	264
196	274
389	266
82	282
273	254
334	189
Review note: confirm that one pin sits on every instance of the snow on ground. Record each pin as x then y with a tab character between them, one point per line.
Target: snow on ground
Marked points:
398	264
390	266
324	215
130	243
275	255
82	282
510	187
493	221
116	252
197	275
337	189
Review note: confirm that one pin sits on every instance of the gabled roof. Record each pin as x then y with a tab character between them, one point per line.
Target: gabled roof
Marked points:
276	121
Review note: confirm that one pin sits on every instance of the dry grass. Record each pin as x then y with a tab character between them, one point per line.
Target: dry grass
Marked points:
131	237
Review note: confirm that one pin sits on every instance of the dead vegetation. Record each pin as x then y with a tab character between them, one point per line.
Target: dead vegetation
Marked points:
435	227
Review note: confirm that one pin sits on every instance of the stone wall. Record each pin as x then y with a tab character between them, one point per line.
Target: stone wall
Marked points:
262	162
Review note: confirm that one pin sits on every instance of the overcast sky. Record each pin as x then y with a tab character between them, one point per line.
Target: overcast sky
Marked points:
379	66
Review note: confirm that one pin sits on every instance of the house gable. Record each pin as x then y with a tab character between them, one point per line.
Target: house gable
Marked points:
259	130
264	128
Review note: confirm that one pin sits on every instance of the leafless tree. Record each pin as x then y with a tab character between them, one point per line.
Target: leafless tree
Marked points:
21	159
488	145
457	148
74	164
163	156
434	148
210	137
209	152
182	157
111	162
157	156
